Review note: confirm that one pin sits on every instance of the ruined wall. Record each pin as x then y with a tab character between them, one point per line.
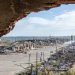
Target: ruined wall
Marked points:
14	10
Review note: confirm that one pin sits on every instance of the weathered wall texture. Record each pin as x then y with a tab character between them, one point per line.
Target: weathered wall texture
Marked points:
13	10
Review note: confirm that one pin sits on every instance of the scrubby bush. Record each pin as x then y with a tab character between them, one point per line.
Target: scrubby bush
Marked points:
70	72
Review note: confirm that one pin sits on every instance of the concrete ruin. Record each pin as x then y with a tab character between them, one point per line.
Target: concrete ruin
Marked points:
25	46
14	10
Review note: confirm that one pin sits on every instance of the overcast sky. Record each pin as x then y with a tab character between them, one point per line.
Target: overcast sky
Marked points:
57	21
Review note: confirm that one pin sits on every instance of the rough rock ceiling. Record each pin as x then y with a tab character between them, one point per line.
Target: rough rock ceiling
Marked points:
14	10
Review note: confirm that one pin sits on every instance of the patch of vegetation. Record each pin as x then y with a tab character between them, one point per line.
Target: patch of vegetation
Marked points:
46	72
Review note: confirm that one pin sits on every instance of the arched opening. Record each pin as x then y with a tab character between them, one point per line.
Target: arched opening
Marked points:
55	52
57	21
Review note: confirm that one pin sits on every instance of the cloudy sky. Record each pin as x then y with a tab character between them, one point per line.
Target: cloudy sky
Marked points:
57	21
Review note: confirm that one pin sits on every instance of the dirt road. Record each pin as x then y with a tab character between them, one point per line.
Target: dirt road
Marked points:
14	63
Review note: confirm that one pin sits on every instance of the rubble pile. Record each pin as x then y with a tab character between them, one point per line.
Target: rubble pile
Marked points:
57	63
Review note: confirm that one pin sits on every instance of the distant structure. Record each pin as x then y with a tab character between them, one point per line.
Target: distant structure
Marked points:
24	46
